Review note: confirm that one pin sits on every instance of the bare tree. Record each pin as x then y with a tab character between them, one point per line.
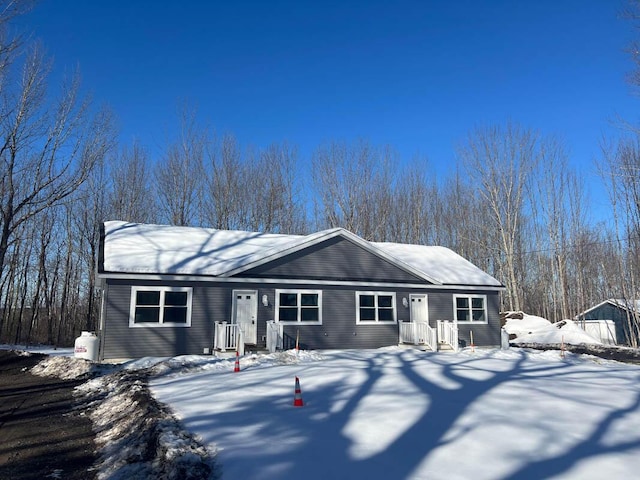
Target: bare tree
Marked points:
499	162
273	197
9	41
551	196
353	185
179	174
620	168
46	150
225	194
130	196
414	212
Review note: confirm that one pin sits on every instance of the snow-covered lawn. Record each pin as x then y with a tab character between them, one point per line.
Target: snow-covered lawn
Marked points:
391	413
401	413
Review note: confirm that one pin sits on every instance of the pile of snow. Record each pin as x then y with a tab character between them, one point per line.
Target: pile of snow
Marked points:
531	329
64	367
137	437
188	364
565	331
520	324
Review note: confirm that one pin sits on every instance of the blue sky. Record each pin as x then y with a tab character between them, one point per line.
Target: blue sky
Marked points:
418	76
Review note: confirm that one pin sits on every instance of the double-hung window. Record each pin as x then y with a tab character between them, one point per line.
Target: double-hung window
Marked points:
470	308
375	307
160	307
300	306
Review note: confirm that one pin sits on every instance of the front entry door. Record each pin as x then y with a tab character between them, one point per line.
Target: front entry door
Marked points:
245	314
419	310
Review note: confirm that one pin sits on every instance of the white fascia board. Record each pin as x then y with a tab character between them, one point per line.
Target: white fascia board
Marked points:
324	235
293	281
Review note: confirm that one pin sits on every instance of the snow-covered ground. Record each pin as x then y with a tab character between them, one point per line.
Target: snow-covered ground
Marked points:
403	413
45	350
389	413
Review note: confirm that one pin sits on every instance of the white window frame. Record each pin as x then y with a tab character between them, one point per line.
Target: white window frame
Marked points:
394	307
470	297
161	323
299	293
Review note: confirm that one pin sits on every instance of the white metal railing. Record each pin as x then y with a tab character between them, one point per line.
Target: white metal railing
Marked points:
448	333
275	336
417	333
228	336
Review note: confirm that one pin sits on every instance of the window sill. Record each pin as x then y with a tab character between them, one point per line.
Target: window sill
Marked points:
376	323
159	325
297	323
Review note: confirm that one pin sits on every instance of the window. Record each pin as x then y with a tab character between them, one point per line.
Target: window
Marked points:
302	306
470	308
376	307
160	306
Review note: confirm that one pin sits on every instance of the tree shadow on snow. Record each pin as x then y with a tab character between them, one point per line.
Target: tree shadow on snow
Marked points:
317	441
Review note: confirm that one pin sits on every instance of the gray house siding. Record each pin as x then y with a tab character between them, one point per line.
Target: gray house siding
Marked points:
122	341
441	307
334	259
339	328
607	311
212	302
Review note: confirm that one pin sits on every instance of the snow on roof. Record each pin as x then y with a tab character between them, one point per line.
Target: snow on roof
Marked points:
439	262
627	304
144	248
631	305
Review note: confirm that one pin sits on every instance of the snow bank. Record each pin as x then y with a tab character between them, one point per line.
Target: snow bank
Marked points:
565	331
532	329
198	363
137	437
519	323
64	367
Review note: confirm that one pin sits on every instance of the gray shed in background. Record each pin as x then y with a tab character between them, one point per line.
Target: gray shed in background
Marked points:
617	311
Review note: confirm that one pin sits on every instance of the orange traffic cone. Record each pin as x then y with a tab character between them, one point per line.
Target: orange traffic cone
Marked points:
237	367
297	399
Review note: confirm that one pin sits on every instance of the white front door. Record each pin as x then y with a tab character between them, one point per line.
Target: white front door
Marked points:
419	309
245	314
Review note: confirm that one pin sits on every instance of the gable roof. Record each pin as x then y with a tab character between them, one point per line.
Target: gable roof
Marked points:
162	249
631	305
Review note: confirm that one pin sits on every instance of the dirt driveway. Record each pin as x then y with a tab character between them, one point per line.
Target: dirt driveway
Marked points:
42	433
